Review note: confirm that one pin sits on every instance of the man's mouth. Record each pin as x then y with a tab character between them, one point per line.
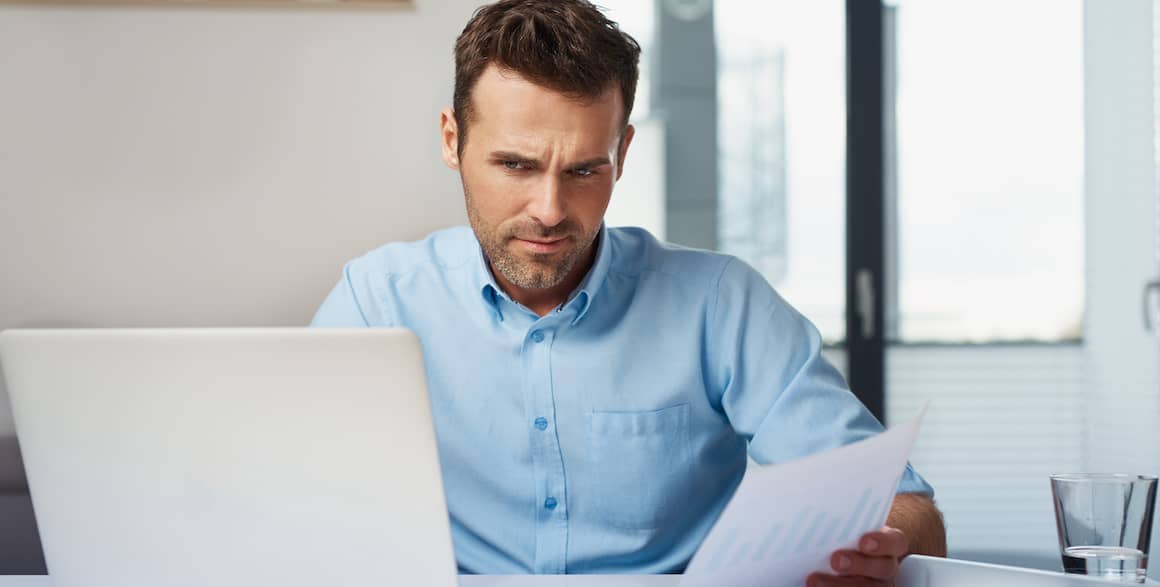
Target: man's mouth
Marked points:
542	245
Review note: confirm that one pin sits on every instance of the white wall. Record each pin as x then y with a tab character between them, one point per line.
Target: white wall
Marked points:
208	166
1123	359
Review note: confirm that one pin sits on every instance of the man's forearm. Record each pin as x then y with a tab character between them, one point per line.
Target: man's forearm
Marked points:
918	518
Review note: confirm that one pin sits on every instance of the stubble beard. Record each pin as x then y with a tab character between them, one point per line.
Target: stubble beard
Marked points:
540	271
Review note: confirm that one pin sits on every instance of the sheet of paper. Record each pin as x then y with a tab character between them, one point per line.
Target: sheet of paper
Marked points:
785	520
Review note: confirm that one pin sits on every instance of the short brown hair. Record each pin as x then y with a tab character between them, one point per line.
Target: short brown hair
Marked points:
565	45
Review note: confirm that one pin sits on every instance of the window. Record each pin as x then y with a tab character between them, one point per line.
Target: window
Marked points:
990	248
781	148
989	170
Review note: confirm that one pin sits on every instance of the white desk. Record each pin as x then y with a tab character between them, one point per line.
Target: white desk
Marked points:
482	581
917	571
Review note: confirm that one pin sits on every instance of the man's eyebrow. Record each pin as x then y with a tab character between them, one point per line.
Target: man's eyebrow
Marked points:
594	162
512	156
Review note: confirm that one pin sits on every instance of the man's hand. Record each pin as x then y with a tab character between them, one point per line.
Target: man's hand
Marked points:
874	563
914	526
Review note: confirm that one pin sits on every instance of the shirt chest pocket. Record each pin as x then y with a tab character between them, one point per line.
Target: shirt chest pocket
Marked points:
640	465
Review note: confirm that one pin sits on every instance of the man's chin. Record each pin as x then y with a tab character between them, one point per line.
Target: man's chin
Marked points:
536	280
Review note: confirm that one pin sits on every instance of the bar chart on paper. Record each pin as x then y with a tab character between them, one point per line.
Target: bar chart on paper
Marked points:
785	520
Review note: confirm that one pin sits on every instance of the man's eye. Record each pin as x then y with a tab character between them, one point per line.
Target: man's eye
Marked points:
583	172
513	164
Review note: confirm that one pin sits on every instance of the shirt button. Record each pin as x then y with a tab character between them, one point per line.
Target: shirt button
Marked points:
550	503
541	423
538	336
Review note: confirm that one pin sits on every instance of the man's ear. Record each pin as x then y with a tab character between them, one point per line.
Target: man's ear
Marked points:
450	131
629	131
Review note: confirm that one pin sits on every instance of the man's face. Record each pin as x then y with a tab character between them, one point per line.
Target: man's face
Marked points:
538	170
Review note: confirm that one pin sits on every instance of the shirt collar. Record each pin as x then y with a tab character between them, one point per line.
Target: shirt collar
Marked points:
485	281
582	297
595	278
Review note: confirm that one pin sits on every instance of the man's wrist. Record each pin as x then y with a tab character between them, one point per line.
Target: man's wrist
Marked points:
917	516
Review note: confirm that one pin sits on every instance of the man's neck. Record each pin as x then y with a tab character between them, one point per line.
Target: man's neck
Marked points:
544	300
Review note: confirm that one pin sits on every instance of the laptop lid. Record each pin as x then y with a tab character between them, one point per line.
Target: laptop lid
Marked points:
230	456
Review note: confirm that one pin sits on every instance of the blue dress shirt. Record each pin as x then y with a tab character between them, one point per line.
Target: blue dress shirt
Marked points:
608	435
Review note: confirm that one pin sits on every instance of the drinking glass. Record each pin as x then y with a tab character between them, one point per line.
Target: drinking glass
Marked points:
1104	524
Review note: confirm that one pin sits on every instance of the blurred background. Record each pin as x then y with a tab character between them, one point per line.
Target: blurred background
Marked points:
962	195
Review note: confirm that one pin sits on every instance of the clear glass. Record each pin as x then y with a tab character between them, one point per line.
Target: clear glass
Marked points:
1104	524
989	170
781	140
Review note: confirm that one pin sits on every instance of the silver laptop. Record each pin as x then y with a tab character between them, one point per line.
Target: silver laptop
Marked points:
230	457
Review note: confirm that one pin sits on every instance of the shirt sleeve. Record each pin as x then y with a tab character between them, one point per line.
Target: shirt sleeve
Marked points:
775	387
341	309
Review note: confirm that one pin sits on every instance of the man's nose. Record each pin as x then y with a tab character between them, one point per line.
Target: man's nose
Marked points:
547	205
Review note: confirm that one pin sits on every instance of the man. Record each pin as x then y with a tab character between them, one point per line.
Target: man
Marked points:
595	392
